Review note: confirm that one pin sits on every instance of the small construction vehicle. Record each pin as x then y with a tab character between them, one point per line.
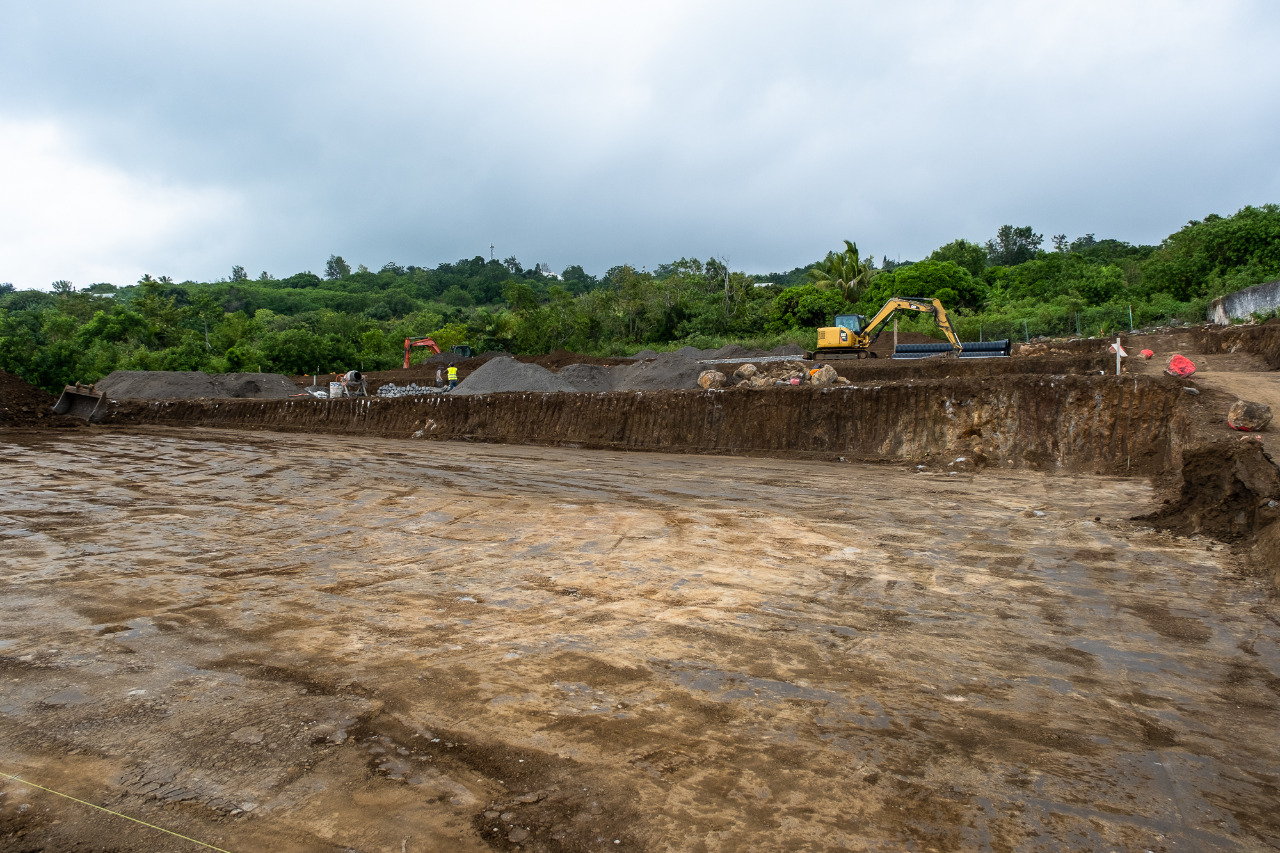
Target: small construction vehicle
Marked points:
410	343
462	350
852	336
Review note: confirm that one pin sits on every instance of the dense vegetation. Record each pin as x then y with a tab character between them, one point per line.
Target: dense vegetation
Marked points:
1010	286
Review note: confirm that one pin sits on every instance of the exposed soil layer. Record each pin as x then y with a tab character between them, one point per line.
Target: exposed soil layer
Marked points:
22	404
194	385
1261	340
884	369
276	643
1230	490
1076	423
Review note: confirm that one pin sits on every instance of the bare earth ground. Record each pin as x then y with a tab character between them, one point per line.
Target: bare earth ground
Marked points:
291	643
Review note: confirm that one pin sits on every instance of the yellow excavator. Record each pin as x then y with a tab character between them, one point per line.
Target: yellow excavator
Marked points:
852	335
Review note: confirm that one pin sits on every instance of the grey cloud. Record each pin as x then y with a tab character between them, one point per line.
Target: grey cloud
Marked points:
569	134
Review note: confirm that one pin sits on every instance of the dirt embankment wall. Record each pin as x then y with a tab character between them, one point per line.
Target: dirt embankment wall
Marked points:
884	370
1077	423
1260	340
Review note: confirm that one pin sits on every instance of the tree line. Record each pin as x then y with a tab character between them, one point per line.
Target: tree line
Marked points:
1008	286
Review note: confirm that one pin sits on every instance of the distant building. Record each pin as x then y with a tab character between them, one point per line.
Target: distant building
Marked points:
545	270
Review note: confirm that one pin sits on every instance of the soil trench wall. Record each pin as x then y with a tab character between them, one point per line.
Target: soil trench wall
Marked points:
1079	423
1261	340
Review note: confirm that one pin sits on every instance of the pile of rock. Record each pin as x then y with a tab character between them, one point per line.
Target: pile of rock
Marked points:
411	390
786	373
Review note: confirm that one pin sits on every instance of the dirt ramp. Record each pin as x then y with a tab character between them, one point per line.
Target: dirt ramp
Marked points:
1230	490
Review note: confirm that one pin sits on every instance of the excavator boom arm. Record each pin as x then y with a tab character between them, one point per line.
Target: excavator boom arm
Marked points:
899	303
410	343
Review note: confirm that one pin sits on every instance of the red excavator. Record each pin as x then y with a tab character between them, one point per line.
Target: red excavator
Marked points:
410	343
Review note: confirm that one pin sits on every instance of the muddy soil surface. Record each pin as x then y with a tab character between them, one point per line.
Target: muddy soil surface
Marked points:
278	642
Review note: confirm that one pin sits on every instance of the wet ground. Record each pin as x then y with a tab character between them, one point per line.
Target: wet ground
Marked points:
293	643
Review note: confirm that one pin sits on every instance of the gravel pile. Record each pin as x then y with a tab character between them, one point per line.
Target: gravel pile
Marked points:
506	374
410	390
193	385
589	378
668	371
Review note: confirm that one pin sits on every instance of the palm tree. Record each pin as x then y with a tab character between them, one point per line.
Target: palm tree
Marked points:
846	272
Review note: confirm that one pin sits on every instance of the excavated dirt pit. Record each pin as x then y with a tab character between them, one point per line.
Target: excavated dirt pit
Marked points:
278	642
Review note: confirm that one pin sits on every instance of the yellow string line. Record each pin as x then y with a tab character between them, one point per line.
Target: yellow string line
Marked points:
110	812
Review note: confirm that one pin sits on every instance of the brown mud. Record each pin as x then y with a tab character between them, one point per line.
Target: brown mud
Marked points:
1101	424
273	642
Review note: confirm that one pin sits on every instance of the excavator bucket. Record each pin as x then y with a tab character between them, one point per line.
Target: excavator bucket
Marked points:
79	402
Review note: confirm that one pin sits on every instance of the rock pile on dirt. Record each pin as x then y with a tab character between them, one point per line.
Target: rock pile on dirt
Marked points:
410	390
504	373
1230	491
22	404
782	373
194	385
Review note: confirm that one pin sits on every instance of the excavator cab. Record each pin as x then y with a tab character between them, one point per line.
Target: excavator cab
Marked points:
852	322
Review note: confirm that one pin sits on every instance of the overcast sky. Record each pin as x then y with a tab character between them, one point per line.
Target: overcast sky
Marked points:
182	138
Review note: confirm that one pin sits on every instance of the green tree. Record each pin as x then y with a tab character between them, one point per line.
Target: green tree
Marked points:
238	273
1012	246
335	268
962	253
845	271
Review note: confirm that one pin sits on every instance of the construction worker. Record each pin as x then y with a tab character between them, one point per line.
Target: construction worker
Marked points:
440	377
453	377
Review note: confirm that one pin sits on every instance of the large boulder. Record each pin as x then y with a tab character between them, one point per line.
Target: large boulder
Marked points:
711	379
1248	417
746	371
825	375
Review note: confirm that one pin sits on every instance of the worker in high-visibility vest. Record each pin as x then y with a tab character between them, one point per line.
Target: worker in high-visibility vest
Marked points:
453	377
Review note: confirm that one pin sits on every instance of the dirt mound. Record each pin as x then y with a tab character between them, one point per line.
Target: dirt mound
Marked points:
506	374
668	371
22	404
1230	490
591	378
194	385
